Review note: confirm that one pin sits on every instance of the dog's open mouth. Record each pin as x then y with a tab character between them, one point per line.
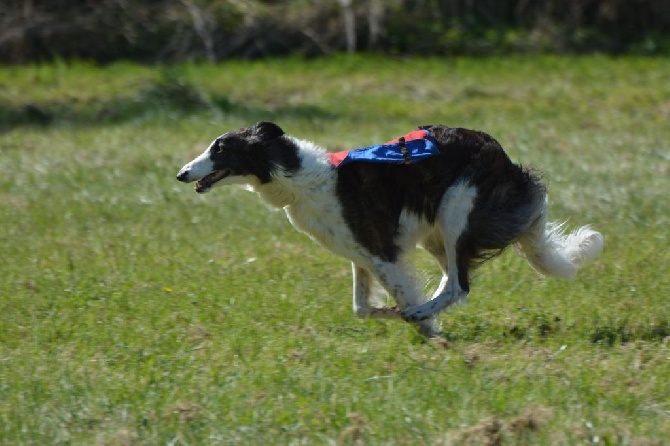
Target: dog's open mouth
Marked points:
210	180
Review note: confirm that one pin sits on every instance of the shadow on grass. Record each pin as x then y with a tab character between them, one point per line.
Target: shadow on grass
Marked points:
168	95
611	333
540	327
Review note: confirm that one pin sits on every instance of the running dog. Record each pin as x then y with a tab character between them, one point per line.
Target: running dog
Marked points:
452	191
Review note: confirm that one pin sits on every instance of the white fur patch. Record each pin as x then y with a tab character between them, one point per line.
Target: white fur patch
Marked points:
455	208
310	201
199	168
552	252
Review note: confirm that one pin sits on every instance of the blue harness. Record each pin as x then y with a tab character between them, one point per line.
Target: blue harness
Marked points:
407	149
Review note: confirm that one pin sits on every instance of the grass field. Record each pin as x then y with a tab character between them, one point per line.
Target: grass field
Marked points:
134	311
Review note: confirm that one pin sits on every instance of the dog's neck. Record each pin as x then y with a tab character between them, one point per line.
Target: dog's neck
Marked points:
276	193
314	174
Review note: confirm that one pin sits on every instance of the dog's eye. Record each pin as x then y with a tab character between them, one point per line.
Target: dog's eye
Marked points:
218	147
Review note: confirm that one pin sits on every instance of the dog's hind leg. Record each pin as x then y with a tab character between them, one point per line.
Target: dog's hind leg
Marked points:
434	244
364	284
457	203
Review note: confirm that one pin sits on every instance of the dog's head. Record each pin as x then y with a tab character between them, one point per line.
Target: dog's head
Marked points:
250	155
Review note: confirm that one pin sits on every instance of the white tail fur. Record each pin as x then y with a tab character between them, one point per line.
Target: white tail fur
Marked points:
552	252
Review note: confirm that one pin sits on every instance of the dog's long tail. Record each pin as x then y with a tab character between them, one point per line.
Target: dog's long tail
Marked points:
554	252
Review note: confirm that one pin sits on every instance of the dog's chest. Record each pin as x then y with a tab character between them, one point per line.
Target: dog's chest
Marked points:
322	220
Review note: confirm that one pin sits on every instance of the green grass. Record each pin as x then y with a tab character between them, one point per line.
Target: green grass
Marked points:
134	311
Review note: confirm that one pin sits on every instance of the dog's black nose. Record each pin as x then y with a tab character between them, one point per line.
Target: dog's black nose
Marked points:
183	176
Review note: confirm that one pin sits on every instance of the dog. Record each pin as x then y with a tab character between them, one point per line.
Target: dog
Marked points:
464	202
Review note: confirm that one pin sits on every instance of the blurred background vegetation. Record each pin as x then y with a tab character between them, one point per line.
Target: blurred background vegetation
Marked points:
179	30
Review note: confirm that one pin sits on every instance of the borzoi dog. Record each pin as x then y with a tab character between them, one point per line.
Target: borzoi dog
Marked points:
451	191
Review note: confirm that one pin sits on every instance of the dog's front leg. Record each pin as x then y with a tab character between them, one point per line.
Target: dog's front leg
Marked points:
363	285
398	281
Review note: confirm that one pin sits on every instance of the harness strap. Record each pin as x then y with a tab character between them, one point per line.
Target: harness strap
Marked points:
403	149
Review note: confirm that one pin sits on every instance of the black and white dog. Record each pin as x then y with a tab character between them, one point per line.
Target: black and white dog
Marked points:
463	205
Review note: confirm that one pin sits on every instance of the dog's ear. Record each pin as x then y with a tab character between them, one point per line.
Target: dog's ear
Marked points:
267	131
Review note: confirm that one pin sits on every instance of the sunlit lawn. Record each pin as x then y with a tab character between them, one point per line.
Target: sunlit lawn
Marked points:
134	311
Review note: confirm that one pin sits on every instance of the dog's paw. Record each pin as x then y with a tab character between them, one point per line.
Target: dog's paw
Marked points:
432	307
419	313
429	329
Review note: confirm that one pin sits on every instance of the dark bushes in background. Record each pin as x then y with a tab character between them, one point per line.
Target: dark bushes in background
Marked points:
173	30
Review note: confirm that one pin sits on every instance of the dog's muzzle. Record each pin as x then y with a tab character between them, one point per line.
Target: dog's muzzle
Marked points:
183	176
203	182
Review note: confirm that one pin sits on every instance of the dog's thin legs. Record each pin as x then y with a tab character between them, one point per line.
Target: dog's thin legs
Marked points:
455	208
362	288
363	285
397	280
434	244
441	287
